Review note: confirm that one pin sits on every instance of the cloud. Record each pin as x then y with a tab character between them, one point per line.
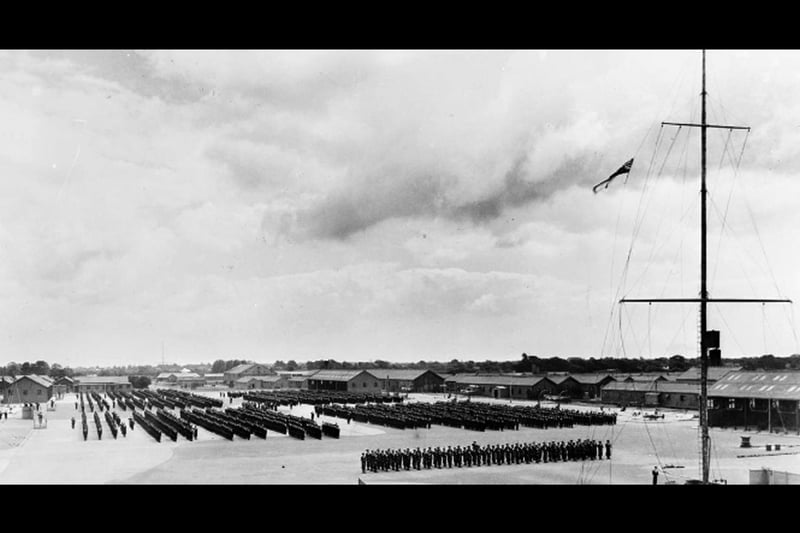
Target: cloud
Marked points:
366	203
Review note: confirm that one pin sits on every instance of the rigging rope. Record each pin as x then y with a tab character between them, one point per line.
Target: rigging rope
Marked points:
649	339
613	440
624	273
730	330
730	193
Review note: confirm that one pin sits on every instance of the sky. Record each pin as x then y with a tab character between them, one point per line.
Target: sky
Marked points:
415	205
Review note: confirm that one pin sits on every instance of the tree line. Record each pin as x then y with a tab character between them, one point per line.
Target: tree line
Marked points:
526	363
536	365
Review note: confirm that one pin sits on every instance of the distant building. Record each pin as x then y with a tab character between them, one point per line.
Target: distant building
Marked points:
344	380
62	386
5	382
630	393
29	388
758	400
645	377
214	379
101	384
656	393
768	476
679	395
502	386
581	386
297	382
261	382
591	384
247	369
566	385
297	379
401	380
184	379
715	373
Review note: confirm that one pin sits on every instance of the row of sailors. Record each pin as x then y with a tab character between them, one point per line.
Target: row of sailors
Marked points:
477	455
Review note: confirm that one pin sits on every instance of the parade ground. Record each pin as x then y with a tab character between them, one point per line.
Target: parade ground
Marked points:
58	454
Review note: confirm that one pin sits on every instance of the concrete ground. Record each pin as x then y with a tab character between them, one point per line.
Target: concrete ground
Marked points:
58	454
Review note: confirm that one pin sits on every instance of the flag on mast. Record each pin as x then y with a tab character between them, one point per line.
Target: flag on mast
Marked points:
624	169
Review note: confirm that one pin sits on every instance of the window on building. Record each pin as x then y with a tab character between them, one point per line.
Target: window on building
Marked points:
376	384
25	392
731	403
365	384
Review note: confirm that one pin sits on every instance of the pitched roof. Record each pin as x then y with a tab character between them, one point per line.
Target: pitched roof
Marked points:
714	373
399	373
678	388
185	376
339	375
558	380
41	380
781	385
497	380
238	369
270	379
641	386
101	380
591	379
644	376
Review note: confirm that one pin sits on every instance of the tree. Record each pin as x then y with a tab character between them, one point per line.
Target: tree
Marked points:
234	362
57	371
139	382
218	367
677	363
11	369
291	365
41	368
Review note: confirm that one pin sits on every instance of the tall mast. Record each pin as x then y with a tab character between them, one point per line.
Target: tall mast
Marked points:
703	300
703	288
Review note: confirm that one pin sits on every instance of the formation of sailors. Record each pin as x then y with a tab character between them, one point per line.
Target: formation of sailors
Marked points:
468	415
487	455
316	397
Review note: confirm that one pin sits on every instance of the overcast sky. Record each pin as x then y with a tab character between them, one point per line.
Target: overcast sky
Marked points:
398	205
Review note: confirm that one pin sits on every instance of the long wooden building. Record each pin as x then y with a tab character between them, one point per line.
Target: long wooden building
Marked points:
756	400
344	380
502	386
581	386
401	380
29	388
657	393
